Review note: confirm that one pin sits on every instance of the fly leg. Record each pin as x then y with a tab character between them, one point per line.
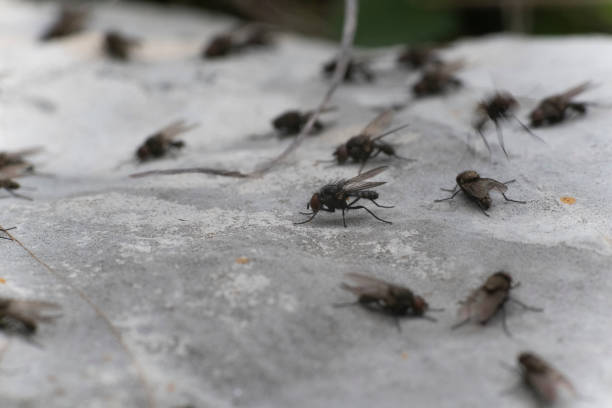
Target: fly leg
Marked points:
447	198
482	208
526	307
504	324
513	201
381	206
308	220
14	194
8	229
484	139
500	137
461	323
371	213
526	129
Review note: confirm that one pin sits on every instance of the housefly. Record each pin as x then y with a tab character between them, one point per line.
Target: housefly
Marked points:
554	109
500	106
544	380
119	46
394	300
418	57
336	196
356	70
438	79
235	41
290	123
489	299
478	189
161	142
23	316
368	144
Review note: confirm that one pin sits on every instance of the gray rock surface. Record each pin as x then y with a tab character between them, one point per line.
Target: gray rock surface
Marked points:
158	309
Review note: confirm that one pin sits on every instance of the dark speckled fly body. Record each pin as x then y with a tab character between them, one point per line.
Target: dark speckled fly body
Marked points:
368	144
554	109
336	196
478	188
291	122
162	141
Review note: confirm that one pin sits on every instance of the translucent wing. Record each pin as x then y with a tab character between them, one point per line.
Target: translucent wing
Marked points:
368	174
578	89
367	286
24	152
363	186
27	312
482	305
546	383
357	183
379	124
389	132
174	129
15	170
481	187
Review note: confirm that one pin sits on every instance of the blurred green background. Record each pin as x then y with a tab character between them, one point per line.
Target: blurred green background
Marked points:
384	22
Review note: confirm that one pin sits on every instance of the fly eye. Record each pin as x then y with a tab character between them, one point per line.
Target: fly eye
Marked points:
315	203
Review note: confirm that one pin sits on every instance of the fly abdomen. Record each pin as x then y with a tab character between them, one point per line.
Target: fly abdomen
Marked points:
367	194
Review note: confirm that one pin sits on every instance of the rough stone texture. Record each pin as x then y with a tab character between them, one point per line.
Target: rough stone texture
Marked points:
157	256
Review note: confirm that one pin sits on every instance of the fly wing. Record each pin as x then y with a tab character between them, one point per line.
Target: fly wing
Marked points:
363	186
482	305
389	132
481	187
174	129
379	124
368	174
578	89
31	311
15	170
357	183
367	286
487	304
24	152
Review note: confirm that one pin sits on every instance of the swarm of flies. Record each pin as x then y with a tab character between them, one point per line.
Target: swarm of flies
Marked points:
478	189
542	379
163	141
118	46
336	196
238	40
500	106
418	57
68	22
291	123
555	109
438	79
368	143
23	316
393	300
358	70
487	300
